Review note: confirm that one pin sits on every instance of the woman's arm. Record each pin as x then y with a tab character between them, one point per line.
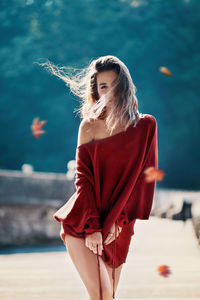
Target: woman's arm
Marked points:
80	212
140	201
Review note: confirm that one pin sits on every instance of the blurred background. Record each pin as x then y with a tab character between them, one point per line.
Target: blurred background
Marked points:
145	35
159	43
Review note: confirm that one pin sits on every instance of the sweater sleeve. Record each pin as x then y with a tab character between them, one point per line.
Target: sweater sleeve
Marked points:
80	212
140	201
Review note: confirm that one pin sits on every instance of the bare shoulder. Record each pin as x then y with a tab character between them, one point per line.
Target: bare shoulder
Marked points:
85	132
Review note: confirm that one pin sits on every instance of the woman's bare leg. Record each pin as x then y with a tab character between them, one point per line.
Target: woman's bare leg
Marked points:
117	275
85	262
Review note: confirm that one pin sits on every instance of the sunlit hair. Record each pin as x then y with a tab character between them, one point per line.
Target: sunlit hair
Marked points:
124	109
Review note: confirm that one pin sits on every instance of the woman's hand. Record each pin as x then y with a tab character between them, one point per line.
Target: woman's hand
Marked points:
111	236
93	240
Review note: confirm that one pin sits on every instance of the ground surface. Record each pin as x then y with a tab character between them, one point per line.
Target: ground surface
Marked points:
52	276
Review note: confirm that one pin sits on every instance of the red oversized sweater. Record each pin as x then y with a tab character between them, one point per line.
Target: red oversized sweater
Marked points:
111	188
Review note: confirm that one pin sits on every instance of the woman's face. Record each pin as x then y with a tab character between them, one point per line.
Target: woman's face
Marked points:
104	81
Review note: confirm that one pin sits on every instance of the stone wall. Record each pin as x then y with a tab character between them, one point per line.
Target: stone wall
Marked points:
27	205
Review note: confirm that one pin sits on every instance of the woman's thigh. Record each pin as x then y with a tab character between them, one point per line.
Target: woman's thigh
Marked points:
86	264
117	274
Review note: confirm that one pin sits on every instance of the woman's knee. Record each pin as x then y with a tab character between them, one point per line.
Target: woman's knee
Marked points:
106	294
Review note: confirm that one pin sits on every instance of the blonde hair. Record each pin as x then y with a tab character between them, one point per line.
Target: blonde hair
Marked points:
83	84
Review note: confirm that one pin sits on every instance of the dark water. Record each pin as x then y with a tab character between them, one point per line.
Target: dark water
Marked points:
33	249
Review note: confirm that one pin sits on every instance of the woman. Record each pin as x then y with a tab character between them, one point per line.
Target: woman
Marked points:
115	145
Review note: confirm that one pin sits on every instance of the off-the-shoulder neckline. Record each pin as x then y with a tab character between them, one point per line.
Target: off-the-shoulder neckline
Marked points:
108	137
103	139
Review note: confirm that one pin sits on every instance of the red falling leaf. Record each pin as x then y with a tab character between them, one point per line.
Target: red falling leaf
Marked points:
153	173
163	270
165	71
38	133
37	126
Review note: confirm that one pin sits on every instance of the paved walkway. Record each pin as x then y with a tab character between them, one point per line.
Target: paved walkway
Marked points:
52	276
